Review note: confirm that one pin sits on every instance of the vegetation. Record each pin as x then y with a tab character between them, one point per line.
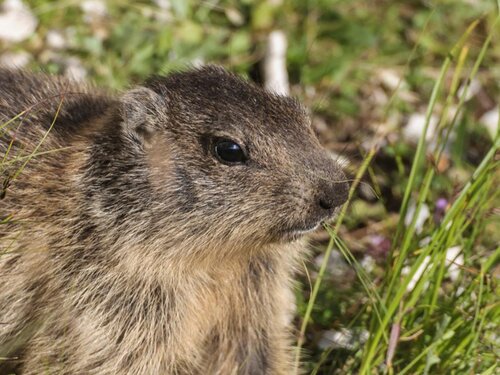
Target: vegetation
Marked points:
406	280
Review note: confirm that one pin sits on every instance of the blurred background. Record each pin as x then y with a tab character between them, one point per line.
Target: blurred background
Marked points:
366	70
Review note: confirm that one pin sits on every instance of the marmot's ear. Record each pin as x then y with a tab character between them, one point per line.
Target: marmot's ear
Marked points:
141	109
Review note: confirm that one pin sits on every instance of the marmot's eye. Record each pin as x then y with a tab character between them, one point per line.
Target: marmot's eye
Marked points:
229	152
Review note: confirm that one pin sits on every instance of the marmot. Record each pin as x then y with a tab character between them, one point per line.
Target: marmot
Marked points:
155	232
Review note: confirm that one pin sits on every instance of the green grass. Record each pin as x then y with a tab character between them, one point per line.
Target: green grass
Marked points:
436	324
446	327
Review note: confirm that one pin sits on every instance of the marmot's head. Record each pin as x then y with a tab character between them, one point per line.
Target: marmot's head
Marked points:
229	161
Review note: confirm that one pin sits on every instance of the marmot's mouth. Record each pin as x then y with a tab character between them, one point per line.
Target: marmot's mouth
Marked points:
304	231
298	231
293	234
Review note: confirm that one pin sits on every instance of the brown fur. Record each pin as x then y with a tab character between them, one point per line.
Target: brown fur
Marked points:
131	249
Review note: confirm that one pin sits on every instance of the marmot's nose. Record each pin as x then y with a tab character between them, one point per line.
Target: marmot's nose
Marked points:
332	194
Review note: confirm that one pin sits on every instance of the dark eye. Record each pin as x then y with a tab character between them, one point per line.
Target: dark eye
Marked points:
229	152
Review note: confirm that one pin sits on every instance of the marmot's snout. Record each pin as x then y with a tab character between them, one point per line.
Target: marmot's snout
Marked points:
316	191
331	194
330	187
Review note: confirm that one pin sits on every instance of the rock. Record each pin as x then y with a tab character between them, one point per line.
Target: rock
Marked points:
390	79
275	73
163	4
15	59
423	215
17	23
56	40
490	121
418	274
336	267
74	69
344	338
93	10
454	261
472	90
414	128
368	263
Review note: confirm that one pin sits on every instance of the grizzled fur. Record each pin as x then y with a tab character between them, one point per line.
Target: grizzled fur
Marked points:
130	248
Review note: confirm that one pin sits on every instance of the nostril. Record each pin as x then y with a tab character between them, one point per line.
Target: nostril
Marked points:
332	196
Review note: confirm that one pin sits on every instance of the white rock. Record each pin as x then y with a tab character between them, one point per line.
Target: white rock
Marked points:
56	40
17	23
310	91
74	69
337	266
15	59
490	121
454	112
343	338
378	96
390	79
368	263
163	16
425	241
93	9
473	90
418	274
234	16
454	261
423	215
163	4
275	73
414	128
